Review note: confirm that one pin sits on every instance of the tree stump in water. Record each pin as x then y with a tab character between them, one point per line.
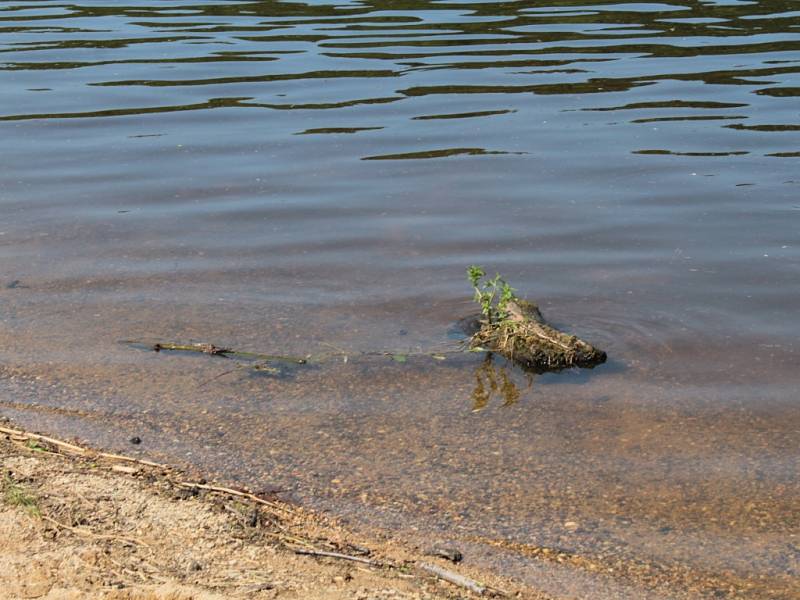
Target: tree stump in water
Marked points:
525	338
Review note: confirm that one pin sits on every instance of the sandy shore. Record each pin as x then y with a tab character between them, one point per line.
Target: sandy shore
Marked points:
78	524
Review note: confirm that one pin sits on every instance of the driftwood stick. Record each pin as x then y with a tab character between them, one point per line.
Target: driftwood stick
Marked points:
73	449
217	351
43	438
359	559
130	459
213	350
524	337
454	578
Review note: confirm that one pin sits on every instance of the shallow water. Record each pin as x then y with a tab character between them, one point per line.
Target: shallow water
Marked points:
314	178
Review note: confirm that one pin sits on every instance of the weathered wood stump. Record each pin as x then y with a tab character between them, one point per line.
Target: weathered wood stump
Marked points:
525	338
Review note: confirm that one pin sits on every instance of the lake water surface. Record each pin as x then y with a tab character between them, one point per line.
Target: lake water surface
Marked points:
315	177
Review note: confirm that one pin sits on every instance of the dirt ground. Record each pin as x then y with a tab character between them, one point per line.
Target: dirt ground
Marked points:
75	524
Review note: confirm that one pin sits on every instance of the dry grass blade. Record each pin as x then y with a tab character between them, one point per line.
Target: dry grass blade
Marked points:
234	492
91	534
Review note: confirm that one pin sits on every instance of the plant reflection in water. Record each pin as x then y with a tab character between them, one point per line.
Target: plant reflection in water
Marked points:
496	379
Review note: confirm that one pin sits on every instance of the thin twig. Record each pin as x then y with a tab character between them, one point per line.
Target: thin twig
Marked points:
138	461
358	559
211	349
286	538
221	375
91	534
233	492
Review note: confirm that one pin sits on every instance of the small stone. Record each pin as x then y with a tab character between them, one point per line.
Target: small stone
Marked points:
195	566
253	518
125	469
260	587
136	440
446	552
358	550
186	493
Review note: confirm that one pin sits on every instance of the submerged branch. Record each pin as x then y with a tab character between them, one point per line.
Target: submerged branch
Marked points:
205	348
265	361
517	331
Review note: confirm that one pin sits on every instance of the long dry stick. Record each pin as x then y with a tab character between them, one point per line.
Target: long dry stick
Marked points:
454	578
219	351
43	438
359	559
73	449
206	348
138	461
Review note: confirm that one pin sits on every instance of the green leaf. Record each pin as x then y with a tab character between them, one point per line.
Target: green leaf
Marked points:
35	446
401	358
474	273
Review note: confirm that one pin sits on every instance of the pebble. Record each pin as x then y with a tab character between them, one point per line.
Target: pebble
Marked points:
446	552
253	518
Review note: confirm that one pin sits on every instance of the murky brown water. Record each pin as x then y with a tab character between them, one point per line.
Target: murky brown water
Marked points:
284	177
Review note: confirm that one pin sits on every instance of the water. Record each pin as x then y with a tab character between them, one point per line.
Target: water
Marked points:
288	177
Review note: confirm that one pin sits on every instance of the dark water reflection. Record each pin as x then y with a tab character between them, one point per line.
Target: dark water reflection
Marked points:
284	177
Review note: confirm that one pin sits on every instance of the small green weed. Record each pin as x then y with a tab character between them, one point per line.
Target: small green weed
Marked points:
35	446
493	295
15	494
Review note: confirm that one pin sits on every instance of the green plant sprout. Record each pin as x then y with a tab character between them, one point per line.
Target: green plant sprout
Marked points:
15	494
493	294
